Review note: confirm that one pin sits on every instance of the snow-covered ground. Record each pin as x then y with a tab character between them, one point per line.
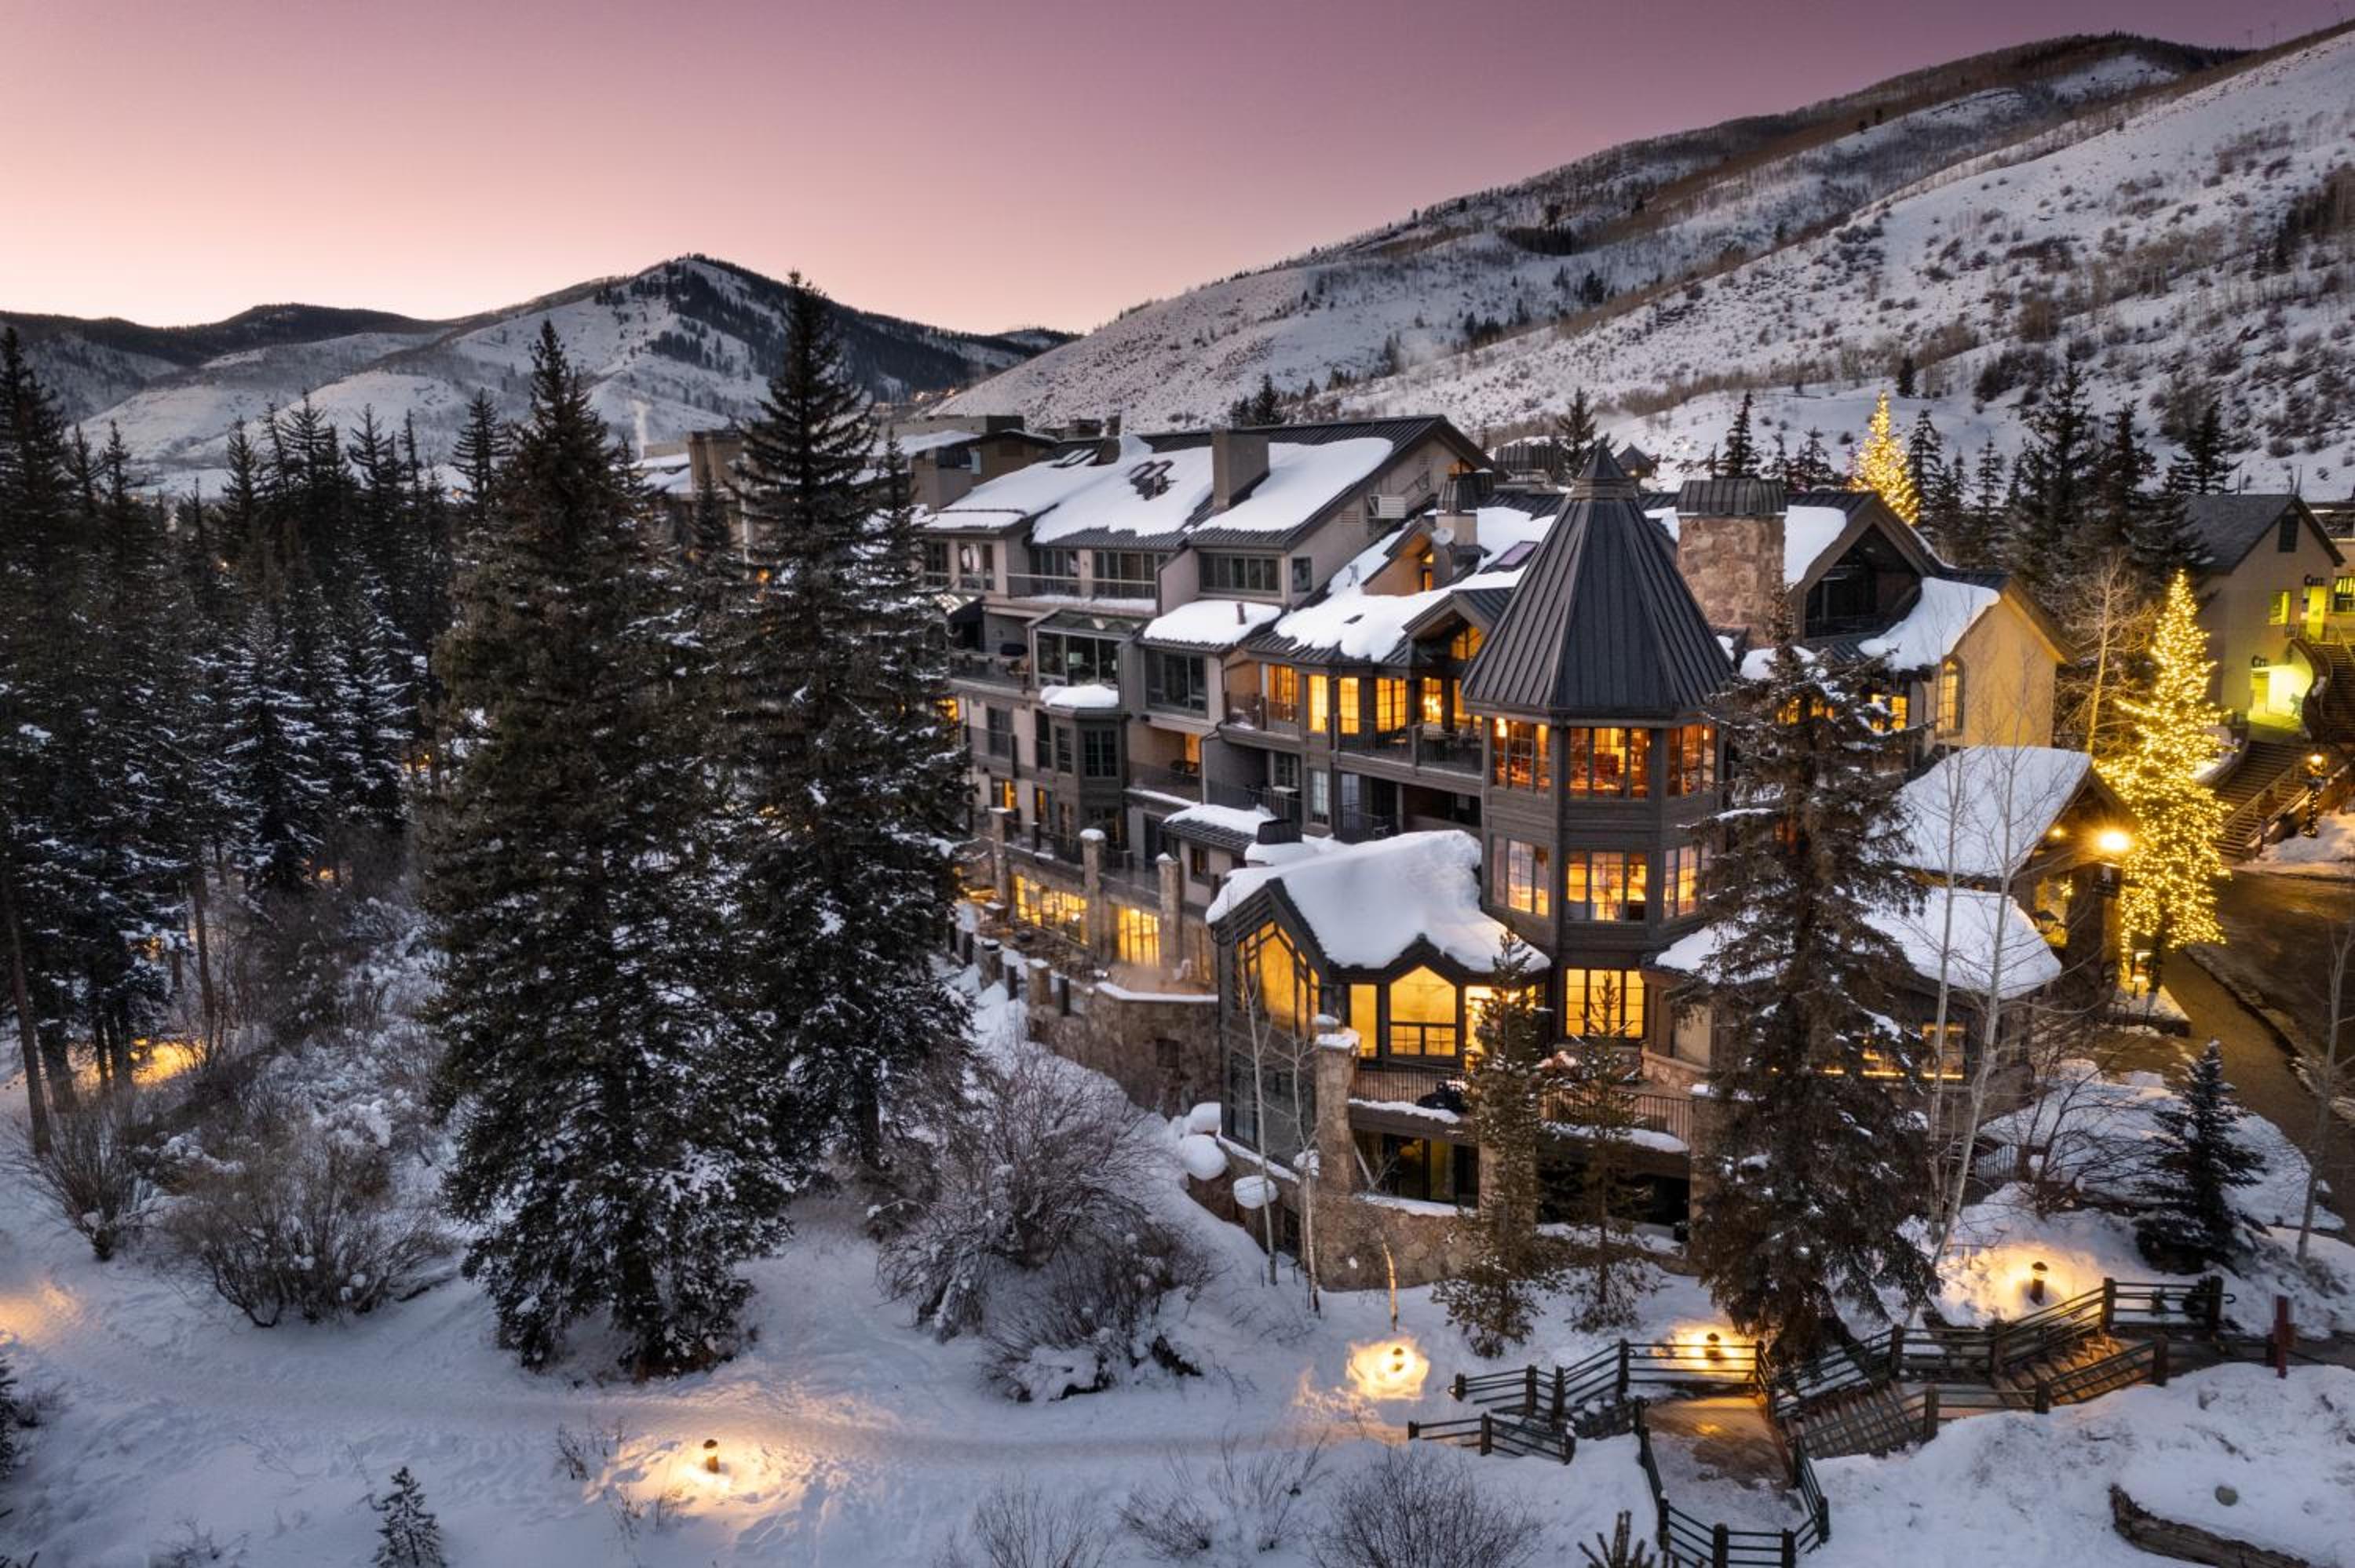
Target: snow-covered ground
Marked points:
850	1439
2330	852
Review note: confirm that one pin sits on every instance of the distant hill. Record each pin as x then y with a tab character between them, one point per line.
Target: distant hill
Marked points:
683	345
2118	194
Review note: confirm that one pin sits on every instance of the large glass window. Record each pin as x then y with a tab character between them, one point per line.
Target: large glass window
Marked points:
1681	887
1692	759
1100	752
1428	1170
1283	985
1124	574
1078	660
1320	795
1176	681
1389	704
1422	1015
1523	877
1051	908
1344	703
1320	703
1518	756
1283	693
1603	1002
1950	694
1059	569
1238	574
1138	934
1610	762
1604	885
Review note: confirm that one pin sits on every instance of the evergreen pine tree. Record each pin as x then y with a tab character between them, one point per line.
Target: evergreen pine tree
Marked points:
615	1151
832	679
2046	540
1925	453
1817	1166
1880	466
1610	1271
1905	376
2172	867
2210	455
1573	433
2189	1223
1811	467
274	755
410	1536
481	452
1740	457
1512	1262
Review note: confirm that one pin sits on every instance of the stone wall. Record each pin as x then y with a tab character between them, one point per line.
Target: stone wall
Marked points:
1734	568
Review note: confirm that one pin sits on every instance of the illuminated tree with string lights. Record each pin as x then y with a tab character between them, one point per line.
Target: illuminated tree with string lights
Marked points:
1881	466
2172	870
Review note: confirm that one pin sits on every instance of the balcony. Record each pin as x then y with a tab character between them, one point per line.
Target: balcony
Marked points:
1022	585
1353	824
976	582
1257	712
1183	780
1449	750
1133	588
1434	1087
1046	845
990	668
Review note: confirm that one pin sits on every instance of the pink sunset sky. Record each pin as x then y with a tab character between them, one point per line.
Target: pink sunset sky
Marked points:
978	165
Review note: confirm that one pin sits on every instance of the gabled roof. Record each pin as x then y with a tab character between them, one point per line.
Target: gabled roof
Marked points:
1601	625
2226	528
1980	811
1371	906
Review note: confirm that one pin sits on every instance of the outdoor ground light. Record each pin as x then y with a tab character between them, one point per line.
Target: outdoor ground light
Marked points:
711	1455
1388	1369
1716	1351
2036	1281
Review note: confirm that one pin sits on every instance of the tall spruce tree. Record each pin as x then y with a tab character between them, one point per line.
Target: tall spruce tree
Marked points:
2189	1222
1817	1167
841	764
2046	541
1609	1270
1573	432
614	1149
2209	456
1740	457
1493	1298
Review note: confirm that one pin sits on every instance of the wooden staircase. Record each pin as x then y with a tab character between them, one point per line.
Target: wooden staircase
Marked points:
2330	706
2257	789
1871	1418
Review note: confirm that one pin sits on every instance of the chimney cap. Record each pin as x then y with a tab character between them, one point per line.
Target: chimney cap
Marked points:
1600	476
1732	498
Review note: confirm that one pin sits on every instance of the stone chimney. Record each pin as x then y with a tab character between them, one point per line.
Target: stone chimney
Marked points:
1730	549
1455	527
1238	462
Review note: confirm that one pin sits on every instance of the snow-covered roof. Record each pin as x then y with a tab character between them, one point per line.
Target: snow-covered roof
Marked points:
1980	811
1351	623
1210	624
1097	498
1092	696
932	441
1980	918
1930	630
1367	904
1808	532
1232	827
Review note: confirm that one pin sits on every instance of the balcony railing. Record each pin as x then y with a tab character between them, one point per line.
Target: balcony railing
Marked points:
974	582
1186	782
1283	804
1437	1085
996	669
998	743
1353	825
1048	846
1024	585
1125	587
1457	751
1258	712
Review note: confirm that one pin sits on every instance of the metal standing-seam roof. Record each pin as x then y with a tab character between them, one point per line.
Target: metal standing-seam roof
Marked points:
1601	625
2226	528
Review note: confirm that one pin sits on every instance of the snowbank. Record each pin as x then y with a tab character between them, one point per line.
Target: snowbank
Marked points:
1367	904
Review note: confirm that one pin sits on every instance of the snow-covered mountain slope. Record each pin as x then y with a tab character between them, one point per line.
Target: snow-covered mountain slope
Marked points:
1816	247
682	347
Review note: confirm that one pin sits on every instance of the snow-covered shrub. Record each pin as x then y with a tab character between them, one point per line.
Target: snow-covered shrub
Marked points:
1254	1502
306	1220
1018	1526
1421	1508
94	1170
1022	1158
1098	1313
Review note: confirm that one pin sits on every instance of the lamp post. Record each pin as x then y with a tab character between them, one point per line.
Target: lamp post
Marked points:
2036	1282
2316	766
2111	845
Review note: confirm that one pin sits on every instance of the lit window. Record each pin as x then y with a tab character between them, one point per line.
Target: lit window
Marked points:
1345	698
1518	758
1422	1015
1280	979
2278	614
1603	1002
1389	704
1605	884
1607	761
1465	644
1692	759
1320	705
1283	693
1681	891
1524	876
1138	933
1950	694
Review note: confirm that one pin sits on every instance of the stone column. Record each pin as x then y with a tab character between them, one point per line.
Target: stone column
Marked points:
1099	921
1001	873
1173	910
